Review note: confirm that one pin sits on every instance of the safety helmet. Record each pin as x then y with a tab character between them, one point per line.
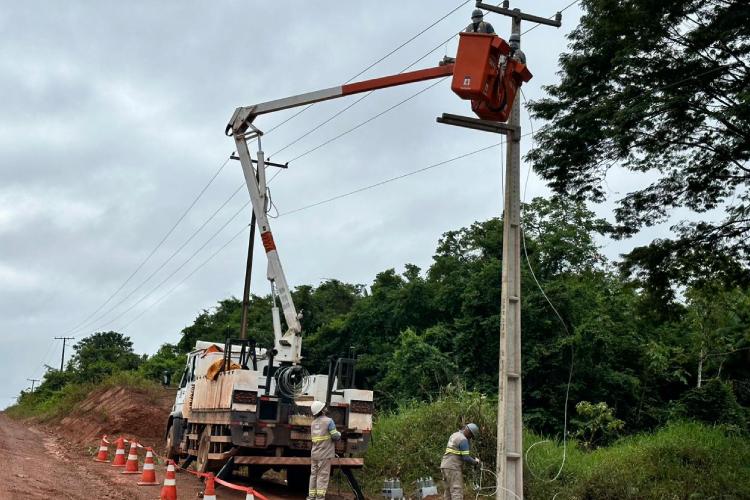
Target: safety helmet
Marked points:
477	13
317	407
474	429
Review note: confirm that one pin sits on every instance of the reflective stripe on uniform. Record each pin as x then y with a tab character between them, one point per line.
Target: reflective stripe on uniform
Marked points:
318	439
454	451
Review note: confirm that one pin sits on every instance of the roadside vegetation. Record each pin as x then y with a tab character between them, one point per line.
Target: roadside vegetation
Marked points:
679	460
659	392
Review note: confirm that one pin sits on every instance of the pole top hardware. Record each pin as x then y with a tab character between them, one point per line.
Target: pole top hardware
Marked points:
518	15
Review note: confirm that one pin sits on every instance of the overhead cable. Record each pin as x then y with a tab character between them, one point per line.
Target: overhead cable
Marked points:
372	65
155	249
307	207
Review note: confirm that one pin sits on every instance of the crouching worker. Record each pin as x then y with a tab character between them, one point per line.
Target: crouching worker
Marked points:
323	433
456	453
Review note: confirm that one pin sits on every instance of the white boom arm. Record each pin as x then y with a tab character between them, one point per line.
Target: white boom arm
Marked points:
288	345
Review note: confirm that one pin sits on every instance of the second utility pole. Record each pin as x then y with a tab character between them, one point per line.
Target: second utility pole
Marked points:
62	358
509	458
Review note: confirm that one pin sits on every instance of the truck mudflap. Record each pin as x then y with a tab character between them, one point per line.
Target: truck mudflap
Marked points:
343	462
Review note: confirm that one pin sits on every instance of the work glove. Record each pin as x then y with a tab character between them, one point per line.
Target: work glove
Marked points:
478	462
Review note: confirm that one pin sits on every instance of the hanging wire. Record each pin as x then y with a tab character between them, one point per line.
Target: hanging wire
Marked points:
559	316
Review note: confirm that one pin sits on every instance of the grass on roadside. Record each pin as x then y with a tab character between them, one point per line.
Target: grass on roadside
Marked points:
682	460
46	406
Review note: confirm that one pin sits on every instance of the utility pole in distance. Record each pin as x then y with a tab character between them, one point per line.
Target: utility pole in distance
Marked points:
33	381
509	458
62	358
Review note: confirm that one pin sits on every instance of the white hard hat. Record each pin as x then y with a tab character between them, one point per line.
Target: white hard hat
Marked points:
317	407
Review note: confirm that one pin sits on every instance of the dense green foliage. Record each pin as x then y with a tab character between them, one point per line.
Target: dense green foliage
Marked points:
658	88
682	460
418	331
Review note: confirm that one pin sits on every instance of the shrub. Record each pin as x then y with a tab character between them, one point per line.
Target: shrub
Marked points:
713	403
596	424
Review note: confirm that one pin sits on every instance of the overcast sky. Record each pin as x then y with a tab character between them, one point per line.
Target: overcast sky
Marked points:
112	122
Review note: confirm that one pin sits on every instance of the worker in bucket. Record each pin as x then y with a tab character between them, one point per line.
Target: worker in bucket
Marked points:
323	433
478	25
515	48
456	453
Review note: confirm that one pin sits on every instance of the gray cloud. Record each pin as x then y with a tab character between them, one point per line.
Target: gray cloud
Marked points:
112	121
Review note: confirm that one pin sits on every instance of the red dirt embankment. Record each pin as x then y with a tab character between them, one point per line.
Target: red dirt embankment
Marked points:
118	411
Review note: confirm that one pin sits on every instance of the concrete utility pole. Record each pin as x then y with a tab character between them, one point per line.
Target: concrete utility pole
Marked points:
62	358
509	463
509	458
33	381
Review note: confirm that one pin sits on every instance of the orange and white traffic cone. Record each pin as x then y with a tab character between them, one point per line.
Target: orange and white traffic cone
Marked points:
102	456
131	466
119	460
169	490
209	492
249	495
149	474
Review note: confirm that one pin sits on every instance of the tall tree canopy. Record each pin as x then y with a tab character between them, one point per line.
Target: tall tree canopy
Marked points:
660	88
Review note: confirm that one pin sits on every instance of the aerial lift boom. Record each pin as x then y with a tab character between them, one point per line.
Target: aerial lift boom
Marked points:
484	72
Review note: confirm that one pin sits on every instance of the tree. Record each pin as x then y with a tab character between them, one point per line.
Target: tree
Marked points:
718	323
417	370
167	359
102	354
658	88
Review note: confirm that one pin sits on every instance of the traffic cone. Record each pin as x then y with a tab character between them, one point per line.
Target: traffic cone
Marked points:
249	495
169	490
149	474
119	460
102	456
131	466
209	492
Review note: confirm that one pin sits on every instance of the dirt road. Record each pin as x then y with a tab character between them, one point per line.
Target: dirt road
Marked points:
34	464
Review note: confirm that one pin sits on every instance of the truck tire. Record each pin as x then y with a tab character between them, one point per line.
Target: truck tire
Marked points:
202	463
170	449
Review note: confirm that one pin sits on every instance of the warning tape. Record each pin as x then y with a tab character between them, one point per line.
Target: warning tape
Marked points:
246	489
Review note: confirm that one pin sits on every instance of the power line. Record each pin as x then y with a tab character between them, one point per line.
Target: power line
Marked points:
307	207
311	150
166	261
387	181
414	37
365	96
195	270
121	314
151	254
389	54
352	129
